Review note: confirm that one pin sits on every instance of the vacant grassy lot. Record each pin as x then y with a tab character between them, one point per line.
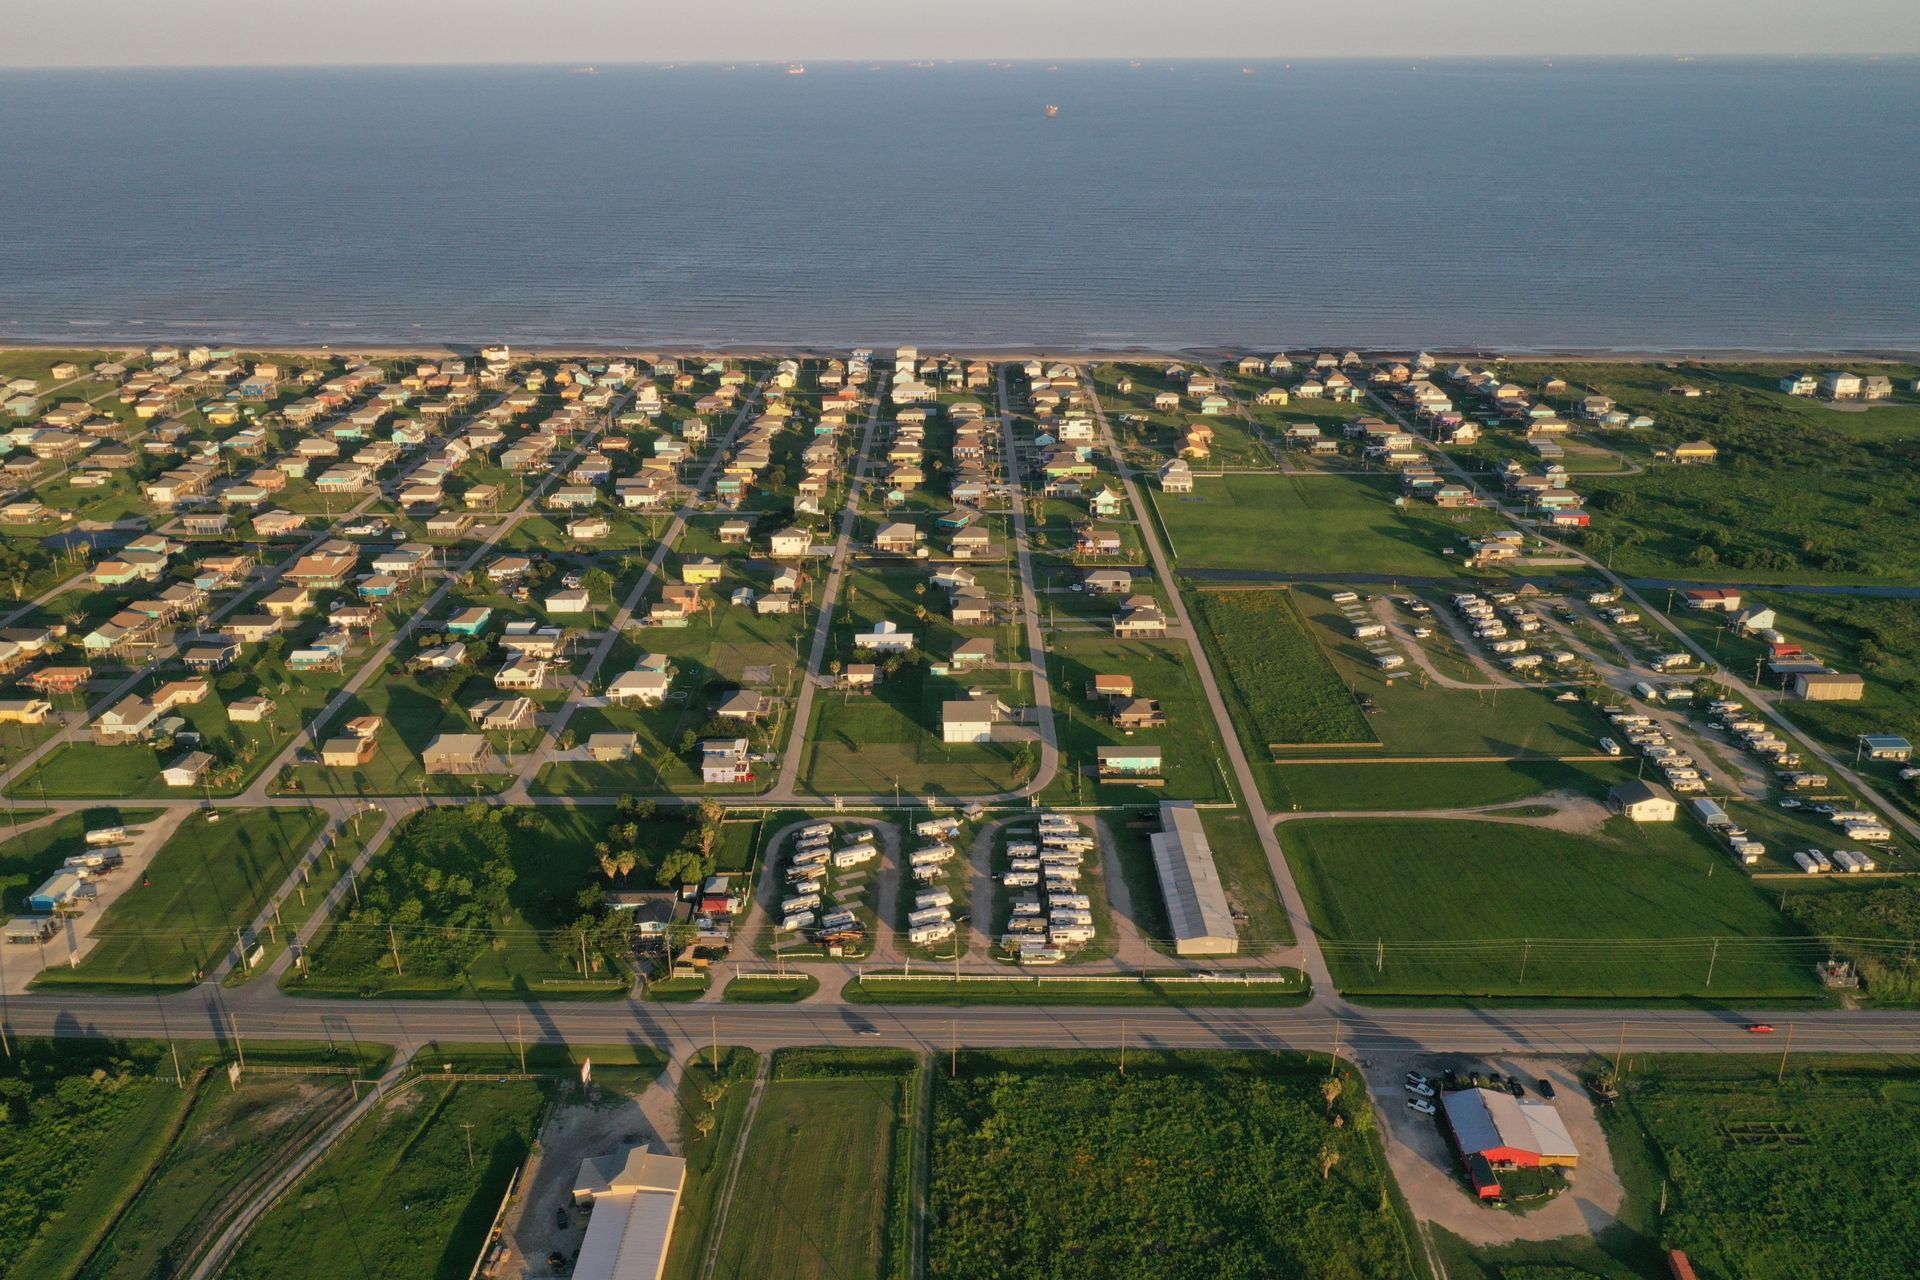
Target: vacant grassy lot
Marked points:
1463	907
1804	491
479	899
708	1153
1875	924
208	880
1777	1181
823	1187
397	1196
107	1165
1284	690
1311	787
866	743
230	1136
1223	1166
1313	524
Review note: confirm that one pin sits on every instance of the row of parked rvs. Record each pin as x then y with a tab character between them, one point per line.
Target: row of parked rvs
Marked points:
1050	916
810	868
931	919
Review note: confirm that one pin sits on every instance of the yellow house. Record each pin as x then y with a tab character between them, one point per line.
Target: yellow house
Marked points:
1696	451
222	415
25	711
700	572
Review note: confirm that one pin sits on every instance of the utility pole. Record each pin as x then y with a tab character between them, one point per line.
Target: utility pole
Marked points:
1620	1055
1711	960
953	1033
520	1037
468	1126
1334	1057
1123	1046
394	942
1782	1077
713	1027
1525	955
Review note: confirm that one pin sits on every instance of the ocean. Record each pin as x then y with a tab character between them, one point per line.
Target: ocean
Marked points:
1603	205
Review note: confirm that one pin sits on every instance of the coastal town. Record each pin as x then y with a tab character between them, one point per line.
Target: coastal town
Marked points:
695	695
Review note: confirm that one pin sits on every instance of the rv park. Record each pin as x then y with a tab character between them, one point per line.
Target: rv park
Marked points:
1468	804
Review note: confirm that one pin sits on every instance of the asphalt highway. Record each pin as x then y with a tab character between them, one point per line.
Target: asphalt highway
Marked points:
212	1012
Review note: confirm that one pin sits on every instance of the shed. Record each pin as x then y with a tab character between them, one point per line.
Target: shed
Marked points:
1643	801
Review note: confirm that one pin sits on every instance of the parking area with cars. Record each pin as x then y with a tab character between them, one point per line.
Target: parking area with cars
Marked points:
1409	1091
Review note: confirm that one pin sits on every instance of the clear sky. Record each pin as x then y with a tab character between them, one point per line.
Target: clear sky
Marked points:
261	32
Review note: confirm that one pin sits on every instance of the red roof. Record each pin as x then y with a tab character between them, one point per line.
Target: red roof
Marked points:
1677	1264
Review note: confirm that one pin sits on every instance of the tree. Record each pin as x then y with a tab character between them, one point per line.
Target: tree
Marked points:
704	1123
682	866
1329	1157
1330	1089
712	1093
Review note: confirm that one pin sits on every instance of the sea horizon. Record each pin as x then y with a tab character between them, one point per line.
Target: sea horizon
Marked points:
1610	204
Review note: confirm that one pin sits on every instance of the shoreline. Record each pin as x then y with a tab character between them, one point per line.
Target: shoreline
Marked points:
595	349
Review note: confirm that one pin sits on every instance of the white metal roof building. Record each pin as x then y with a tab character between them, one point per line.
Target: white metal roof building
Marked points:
635	1194
1506	1130
1190	882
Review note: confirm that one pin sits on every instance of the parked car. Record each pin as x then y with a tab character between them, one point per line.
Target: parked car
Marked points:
1546	1087
1421	1088
1421	1105
1515	1088
560	1217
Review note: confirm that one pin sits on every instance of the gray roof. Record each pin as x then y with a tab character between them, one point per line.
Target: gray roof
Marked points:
1485	1120
1196	901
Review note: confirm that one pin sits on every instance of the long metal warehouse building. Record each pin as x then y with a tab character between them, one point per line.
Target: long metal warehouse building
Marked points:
1190	882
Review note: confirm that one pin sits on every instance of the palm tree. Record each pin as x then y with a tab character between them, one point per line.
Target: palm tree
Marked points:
1329	1157
1330	1089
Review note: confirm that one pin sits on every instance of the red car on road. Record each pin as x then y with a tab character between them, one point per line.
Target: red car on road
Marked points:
1760	1028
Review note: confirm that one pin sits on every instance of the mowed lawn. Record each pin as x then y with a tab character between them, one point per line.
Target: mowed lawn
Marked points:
208	880
1323	523
1464	908
820	1185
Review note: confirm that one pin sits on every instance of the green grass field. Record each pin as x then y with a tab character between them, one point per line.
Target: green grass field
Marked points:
1776	1180
1310	788
230	1136
1284	690
1805	491
397	1197
708	1153
1463	906
108	1166
823	1186
1225	1166
1313	524
209	879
